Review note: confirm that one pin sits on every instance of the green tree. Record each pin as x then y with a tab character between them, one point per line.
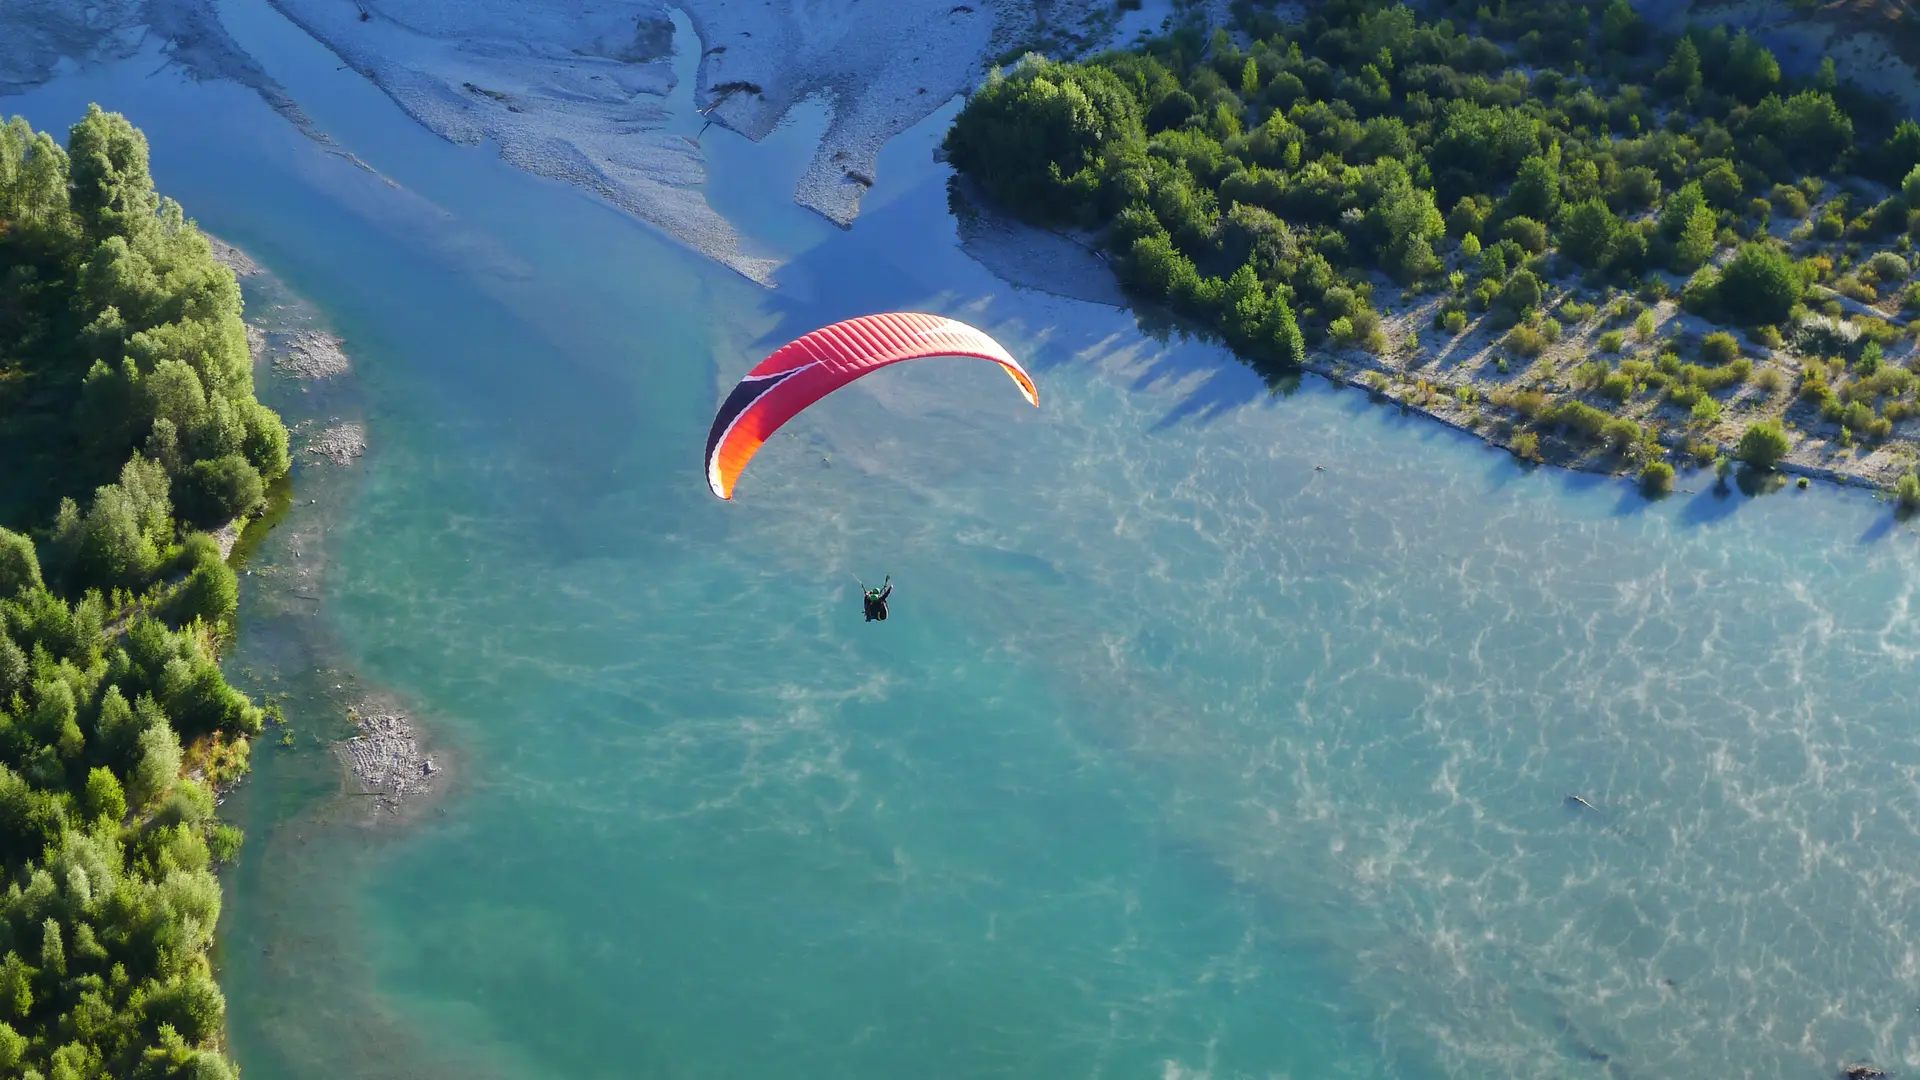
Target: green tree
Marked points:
1404	222
1759	286
156	765
1681	76
1809	129
104	797
113	549
1906	492
1536	191
1722	187
1639	187
1679	210
211	594
1587	233
13	1049
19	565
111	189
1621	27
215	492
1763	445
1035	136
1751	72
1521	294
1696	242
1656	478
1898	153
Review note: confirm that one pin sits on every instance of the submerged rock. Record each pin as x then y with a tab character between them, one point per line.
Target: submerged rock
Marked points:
339	444
386	759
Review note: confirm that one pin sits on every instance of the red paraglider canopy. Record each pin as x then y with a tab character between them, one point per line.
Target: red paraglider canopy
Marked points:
802	372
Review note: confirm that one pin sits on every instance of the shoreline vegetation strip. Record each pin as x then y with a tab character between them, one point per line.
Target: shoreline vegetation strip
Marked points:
130	434
1544	223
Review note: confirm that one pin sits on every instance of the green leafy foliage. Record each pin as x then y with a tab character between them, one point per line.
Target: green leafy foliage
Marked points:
1037	136
125	389
1759	285
1261	182
1656	478
1763	445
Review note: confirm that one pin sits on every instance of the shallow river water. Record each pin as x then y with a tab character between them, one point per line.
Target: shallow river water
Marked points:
1178	758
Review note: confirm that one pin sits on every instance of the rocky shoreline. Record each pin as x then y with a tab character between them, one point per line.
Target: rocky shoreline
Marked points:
385	759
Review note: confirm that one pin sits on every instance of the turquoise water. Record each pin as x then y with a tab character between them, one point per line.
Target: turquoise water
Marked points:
1178	758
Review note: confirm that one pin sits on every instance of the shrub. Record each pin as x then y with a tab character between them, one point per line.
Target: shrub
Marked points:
1525	341
1705	412
1769	379
1858	416
1612	341
1870	358
1719	347
1455	322
1526	446
1789	201
1531	235
215	492
1521	294
211	594
1855	289
1906	492
1643	327
1889	267
1620	433
1656	478
1763	445
1760	285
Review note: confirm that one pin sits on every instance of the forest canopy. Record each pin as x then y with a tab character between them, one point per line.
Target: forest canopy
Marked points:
1256	179
128	421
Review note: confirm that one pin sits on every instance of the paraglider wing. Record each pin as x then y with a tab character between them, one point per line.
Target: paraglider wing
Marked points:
802	372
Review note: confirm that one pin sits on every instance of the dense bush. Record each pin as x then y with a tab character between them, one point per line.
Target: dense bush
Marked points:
1656	478
214	492
1906	491
1759	286
1763	445
1719	347
1037	136
114	313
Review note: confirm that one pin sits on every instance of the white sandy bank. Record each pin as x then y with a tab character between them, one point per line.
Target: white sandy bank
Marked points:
585	90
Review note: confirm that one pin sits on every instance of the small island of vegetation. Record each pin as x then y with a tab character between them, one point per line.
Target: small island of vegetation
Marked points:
1542	222
128	428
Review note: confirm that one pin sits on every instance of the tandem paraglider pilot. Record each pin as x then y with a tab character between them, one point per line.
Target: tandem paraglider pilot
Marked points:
876	599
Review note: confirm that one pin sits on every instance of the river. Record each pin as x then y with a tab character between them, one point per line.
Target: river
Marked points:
1179	758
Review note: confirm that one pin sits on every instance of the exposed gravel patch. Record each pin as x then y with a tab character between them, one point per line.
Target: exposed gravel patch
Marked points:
311	354
339	444
232	257
387	759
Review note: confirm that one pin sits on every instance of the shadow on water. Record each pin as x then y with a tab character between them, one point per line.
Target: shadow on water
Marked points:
1754	483
1714	503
